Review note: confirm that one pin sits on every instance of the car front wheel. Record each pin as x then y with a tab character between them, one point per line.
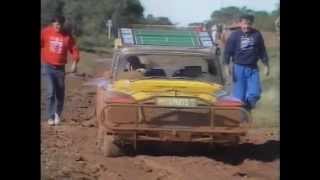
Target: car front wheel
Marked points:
109	147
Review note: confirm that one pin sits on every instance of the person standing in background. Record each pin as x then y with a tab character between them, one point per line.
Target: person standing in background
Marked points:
55	45
245	47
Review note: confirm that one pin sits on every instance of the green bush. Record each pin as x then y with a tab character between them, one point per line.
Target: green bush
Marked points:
96	40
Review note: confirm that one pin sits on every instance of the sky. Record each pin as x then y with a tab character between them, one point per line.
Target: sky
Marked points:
188	11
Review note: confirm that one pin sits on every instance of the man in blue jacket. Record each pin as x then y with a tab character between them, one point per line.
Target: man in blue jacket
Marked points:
245	47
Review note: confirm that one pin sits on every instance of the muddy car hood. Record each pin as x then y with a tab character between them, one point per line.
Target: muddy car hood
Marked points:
145	89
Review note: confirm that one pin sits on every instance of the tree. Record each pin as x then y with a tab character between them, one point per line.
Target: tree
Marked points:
164	21
86	19
225	15
126	12
133	11
245	10
50	8
263	19
150	19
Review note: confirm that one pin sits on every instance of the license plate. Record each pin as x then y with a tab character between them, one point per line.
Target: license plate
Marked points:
176	102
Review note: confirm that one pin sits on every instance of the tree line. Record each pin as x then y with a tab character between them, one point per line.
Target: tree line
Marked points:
264	20
86	19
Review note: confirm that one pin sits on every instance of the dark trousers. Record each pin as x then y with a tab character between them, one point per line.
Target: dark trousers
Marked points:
54	77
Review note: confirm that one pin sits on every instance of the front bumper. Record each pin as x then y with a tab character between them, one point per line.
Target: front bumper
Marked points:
136	128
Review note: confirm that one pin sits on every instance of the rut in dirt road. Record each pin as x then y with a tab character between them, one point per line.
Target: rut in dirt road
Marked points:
265	152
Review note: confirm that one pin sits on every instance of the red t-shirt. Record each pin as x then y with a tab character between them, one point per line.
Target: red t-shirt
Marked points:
55	47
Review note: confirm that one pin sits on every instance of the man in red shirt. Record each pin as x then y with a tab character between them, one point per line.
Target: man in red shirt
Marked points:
55	45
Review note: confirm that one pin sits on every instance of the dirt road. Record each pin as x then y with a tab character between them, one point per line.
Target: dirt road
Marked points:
68	151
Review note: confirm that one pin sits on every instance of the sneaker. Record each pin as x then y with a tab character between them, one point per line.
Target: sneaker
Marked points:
51	122
56	119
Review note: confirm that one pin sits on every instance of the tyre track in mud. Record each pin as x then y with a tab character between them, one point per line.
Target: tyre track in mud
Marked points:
69	151
175	168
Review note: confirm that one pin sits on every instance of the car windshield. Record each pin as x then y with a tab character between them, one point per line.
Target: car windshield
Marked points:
189	67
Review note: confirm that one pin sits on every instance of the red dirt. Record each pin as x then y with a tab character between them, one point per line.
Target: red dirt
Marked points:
69	151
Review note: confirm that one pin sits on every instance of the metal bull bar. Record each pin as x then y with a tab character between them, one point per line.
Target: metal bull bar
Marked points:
141	115
184	135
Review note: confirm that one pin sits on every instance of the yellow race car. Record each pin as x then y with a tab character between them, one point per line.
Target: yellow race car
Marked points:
166	86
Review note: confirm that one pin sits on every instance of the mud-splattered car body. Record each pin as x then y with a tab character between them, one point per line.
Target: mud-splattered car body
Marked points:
133	106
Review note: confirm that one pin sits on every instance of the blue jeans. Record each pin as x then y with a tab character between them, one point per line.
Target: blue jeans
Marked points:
246	85
54	77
